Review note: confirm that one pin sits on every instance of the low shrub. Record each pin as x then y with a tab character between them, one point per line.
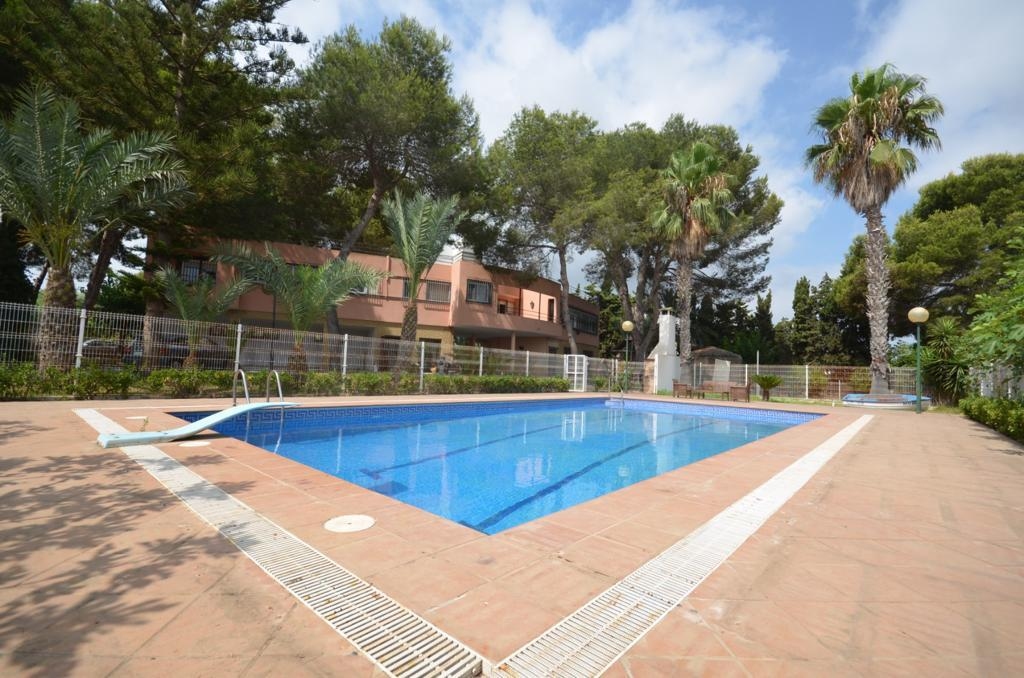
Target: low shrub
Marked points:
23	381
407	384
490	383
177	383
1002	414
369	383
324	384
767	382
92	381
291	383
20	381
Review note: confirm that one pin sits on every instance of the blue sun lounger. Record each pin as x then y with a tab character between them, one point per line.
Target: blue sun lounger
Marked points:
188	430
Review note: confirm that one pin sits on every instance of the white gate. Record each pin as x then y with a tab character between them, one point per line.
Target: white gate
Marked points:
576	372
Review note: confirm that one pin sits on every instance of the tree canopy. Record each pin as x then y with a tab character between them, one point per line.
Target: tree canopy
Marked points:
379	114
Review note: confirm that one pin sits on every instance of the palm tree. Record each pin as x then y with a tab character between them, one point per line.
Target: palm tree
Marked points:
696	193
309	292
865	156
420	227
56	180
199	303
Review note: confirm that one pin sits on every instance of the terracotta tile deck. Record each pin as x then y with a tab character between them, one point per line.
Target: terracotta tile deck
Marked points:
905	554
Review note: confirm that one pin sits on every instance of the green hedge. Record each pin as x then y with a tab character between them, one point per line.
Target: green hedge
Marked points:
1001	414
442	383
25	382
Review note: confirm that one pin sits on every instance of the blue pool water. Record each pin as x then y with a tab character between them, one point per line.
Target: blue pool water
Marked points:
492	466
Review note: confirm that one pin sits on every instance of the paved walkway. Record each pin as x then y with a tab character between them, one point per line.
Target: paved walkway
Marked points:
905	554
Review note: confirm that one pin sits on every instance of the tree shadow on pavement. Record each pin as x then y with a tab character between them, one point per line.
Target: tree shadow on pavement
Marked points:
91	550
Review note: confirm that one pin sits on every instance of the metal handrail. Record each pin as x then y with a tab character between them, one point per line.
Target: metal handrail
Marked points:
245	387
280	391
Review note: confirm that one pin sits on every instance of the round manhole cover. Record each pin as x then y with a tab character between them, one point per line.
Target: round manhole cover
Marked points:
353	523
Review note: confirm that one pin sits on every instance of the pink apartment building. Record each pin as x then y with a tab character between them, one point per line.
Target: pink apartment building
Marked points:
460	301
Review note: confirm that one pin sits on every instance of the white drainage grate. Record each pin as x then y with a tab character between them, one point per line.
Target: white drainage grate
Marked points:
588	641
397	640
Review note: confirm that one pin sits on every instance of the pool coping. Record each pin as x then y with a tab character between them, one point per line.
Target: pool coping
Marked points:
591	544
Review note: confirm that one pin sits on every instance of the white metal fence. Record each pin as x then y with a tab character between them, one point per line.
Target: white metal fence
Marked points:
815	382
113	340
77	338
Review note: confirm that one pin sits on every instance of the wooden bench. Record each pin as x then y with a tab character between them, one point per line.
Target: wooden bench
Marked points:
729	390
681	390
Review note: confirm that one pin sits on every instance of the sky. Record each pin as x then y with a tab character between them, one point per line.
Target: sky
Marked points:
762	67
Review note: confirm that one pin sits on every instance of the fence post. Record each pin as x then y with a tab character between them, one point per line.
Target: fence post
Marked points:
527	363
746	374
423	349
344	357
238	347
807	382
481	372
81	338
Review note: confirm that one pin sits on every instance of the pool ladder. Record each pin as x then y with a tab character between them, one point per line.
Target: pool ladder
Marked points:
245	386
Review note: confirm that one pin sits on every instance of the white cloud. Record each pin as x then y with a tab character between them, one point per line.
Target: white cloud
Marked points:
648	63
973	58
801	206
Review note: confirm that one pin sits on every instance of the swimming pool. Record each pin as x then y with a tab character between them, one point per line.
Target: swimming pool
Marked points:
492	466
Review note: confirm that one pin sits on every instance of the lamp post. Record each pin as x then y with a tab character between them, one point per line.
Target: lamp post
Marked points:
918	316
627	327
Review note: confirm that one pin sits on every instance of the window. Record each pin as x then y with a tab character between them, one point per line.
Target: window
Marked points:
478	292
435	291
438	292
583	322
551	310
192	270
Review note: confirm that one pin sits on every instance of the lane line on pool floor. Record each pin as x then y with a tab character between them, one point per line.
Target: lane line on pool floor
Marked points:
590	640
395	638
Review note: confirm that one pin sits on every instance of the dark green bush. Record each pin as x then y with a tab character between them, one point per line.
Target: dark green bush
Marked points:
92	381
23	381
19	381
369	383
290	383
177	383
1002	414
503	383
324	383
408	384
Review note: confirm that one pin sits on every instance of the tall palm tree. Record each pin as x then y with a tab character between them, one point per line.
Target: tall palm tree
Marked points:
55	180
199	303
697	197
309	292
865	156
420	227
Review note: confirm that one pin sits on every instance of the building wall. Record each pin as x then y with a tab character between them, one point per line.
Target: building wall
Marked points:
515	316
